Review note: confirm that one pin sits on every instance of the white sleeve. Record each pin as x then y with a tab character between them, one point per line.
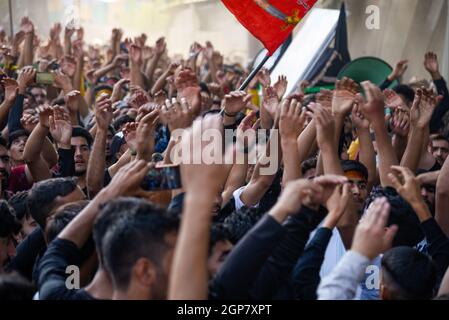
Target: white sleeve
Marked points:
342	282
238	202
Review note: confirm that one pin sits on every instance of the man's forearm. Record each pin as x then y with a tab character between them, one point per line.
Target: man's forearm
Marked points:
35	143
136	75
191	251
292	165
413	151
27	51
151	68
387	156
97	162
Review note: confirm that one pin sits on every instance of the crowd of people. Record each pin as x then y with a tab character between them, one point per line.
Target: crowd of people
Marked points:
356	208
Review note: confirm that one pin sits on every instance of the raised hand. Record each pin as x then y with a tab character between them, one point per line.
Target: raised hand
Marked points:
373	108
135	54
400	123
62	81
399	70
69	32
138	98
44	114
11	90
337	205
371	236
210	178
71	100
270	101
325	126
127	181
29	121
324	98
25	78
121	58
145	135
55	32
177	114
118	87
103	112
304	192
160	47
26	25
431	65
281	86
264	77
393	100
235	102
195	49
60	127
292	119
406	184
129	132
359	120
423	106
344	95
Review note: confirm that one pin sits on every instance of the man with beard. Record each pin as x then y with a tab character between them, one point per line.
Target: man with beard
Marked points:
439	146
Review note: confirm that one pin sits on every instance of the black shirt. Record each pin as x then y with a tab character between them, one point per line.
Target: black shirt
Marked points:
52	278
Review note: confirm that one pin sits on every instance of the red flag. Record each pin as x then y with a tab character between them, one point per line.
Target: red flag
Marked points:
270	21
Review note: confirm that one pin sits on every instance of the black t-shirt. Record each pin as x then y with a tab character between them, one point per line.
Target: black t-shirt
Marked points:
52	278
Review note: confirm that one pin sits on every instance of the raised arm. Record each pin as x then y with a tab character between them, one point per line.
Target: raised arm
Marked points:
11	90
373	110
26	58
291	124
191	250
421	113
97	160
159	50
38	168
135	64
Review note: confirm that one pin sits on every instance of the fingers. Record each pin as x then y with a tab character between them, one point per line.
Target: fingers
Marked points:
331	179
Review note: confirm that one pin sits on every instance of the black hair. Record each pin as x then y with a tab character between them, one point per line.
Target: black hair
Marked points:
405	91
61	219
408	274
81	132
218	232
19	203
14	287
401	214
15	135
308	164
240	222
353	165
120	121
140	233
42	196
439	137
9	224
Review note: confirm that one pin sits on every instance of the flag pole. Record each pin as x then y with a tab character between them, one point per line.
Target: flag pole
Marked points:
254	72
11	25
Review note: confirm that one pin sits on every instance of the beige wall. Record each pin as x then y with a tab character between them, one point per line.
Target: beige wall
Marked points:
408	29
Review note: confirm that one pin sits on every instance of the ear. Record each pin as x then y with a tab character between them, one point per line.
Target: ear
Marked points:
145	272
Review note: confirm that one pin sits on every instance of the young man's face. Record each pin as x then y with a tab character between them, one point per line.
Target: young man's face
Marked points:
108	144
440	150
28	226
39	95
359	191
428	194
5	166
82	153
218	256
17	147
